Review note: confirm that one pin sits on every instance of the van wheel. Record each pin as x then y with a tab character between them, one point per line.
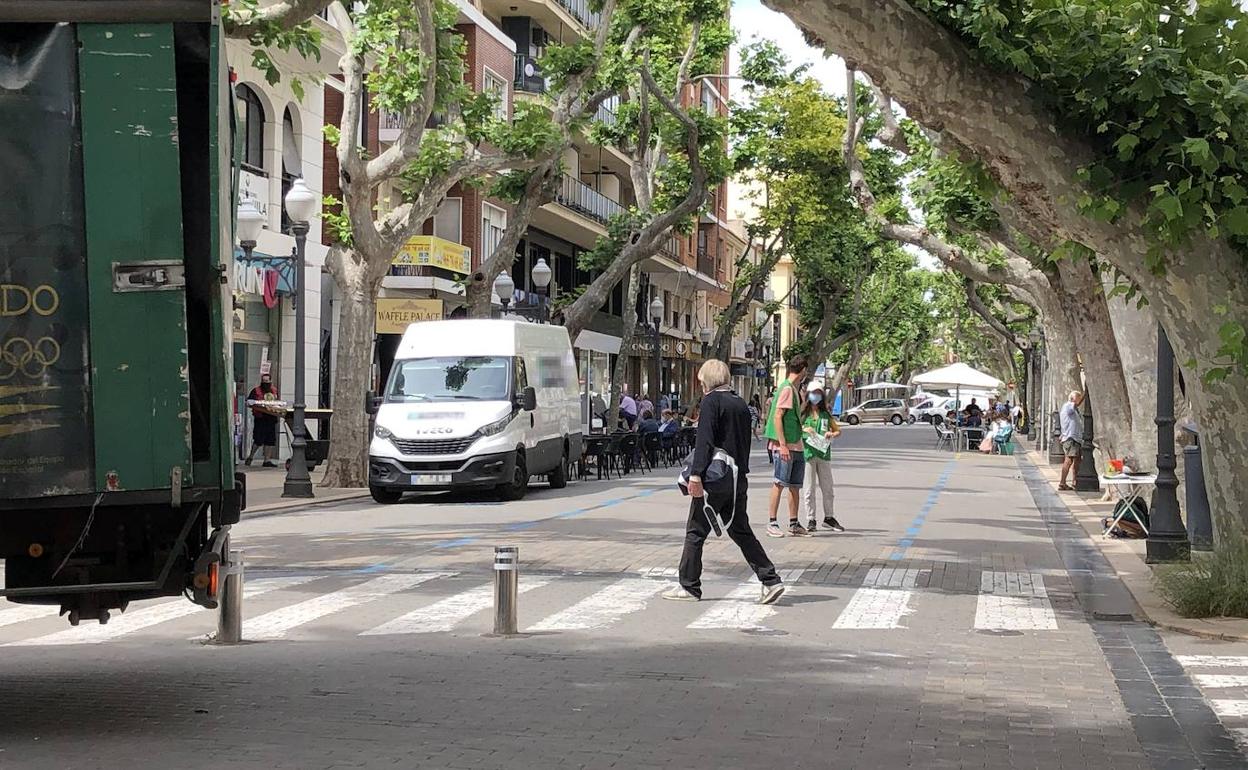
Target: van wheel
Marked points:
385	496
852	419
896	419
519	481
558	478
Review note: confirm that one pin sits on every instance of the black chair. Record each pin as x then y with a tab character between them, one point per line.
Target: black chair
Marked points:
630	451
651	449
612	456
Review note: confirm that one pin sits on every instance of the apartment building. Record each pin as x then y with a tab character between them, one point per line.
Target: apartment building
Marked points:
278	138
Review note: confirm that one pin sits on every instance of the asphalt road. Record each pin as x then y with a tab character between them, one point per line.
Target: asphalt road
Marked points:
950	627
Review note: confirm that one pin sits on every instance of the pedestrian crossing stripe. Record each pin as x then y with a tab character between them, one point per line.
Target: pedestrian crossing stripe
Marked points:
1210	661
1229	707
1221	680
1012	601
146	617
604	607
444	615
276	624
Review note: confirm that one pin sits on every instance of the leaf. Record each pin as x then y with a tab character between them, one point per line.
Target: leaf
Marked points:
1236	221
1170	206
1126	145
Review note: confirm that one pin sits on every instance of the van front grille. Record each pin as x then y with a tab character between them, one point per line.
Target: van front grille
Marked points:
433	446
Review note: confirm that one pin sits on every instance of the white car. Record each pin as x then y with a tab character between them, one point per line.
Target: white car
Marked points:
476	403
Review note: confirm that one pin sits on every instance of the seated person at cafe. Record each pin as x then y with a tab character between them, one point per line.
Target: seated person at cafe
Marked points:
647	424
974	414
669	424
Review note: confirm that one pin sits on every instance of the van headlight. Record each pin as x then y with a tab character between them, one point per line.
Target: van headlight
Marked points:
496	427
381	432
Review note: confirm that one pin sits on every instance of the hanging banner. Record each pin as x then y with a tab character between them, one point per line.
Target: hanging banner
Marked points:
435	252
395	315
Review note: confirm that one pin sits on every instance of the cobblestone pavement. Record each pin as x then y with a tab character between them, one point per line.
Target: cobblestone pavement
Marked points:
948	628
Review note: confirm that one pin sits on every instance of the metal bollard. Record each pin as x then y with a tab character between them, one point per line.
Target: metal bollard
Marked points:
230	612
506	584
1056	456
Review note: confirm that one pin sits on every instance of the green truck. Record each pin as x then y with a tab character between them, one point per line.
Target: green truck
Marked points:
117	478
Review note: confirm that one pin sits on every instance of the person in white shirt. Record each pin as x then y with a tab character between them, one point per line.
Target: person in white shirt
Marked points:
1072	436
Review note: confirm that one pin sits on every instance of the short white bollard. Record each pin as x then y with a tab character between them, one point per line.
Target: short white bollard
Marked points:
506	584
230	612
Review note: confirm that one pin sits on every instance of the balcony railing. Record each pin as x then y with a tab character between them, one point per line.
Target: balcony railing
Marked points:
581	10
706	262
671	248
528	76
606	111
583	199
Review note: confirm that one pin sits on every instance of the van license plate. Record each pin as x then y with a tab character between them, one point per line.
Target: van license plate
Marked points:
430	479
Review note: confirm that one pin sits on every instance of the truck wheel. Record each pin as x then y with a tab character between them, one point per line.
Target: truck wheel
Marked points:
519	481
896	419
852	419
385	496
558	478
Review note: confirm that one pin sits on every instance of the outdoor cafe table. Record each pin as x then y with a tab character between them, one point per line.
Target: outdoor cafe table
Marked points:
1129	489
593	445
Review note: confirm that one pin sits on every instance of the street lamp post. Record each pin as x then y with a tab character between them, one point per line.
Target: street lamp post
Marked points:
300	207
250	224
505	288
1086	477
541	280
656	315
1167	538
1033	386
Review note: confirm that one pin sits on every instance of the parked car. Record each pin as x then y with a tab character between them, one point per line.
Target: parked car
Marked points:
937	406
892	410
483	404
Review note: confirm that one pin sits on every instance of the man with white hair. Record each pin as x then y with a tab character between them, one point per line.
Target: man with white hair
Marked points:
1072	436
723	423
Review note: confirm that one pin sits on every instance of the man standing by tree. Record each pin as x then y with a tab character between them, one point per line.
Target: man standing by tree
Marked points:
784	434
1072	435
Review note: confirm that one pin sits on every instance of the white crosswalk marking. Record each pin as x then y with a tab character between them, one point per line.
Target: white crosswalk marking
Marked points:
874	608
892	577
20	613
444	615
1207	661
603	608
739	609
276	624
1013	601
1221	680
145	617
1230	708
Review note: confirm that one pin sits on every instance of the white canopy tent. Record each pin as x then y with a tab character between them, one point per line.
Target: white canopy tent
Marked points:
958	376
883	386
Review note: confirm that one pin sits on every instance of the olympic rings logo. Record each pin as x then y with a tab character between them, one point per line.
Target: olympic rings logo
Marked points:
32	359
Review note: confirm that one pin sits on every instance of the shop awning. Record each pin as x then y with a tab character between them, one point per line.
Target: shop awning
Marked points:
597	341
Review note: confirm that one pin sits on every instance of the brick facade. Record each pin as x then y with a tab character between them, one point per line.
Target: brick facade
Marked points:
329	153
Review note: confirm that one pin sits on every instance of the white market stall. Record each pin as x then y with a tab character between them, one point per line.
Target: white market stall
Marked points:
959	378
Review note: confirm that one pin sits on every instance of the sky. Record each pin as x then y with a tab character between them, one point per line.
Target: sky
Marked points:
752	21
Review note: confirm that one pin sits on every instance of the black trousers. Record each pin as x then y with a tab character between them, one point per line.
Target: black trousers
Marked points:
698	528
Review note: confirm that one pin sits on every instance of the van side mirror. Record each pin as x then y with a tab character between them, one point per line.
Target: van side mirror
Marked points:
372	402
528	399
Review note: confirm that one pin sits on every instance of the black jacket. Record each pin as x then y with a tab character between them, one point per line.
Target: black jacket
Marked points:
724	422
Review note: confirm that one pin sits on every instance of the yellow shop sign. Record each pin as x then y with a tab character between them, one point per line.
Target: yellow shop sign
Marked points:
436	252
394	315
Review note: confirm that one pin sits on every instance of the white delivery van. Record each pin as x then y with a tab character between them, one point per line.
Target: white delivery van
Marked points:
468	403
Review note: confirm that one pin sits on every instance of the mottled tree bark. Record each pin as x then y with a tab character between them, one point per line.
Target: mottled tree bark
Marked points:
994	116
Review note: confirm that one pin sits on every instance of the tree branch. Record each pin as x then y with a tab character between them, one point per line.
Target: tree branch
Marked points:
1000	329
285	15
390	163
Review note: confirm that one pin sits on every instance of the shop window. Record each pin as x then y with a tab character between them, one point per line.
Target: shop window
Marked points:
448	221
251	128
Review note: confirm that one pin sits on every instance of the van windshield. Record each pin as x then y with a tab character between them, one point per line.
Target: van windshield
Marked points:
452	378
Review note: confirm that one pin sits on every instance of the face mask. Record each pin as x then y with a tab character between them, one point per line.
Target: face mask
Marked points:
815	398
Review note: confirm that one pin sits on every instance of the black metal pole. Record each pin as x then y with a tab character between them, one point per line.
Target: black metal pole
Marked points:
656	386
1167	537
1086	477
298	481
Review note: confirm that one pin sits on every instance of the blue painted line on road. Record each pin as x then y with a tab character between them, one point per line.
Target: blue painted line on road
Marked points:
899	551
520	525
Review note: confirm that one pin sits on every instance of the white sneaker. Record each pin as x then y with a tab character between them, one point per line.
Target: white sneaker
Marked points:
679	593
771	593
773	529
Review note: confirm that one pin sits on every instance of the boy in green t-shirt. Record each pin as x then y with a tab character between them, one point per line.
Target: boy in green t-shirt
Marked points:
784	434
819	428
